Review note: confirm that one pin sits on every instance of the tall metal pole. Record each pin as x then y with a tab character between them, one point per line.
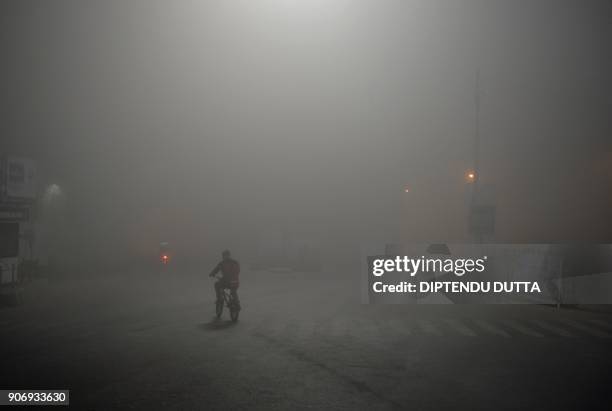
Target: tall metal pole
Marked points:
478	236
476	133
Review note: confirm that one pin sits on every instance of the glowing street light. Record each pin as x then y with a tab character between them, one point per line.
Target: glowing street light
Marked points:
54	190
52	193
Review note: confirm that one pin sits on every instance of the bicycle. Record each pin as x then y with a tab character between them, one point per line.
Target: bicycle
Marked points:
230	302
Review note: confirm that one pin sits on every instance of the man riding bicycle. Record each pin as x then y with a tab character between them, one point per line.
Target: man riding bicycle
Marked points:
230	270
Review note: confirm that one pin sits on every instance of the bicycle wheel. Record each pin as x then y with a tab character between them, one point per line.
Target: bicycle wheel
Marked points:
234	308
219	308
234	311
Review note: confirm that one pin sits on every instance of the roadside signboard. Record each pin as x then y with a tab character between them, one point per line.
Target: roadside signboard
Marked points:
18	179
10	213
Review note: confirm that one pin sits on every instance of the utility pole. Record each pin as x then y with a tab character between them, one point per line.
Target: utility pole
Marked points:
482	208
476	136
474	214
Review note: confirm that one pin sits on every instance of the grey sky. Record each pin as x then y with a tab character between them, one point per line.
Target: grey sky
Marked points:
206	121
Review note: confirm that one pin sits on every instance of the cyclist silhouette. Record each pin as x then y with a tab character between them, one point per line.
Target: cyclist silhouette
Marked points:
230	271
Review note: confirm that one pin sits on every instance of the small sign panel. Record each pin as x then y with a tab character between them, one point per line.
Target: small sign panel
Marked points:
20	178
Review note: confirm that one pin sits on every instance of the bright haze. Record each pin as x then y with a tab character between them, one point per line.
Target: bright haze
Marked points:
210	123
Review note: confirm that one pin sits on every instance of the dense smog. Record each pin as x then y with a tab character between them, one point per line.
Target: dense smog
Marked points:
236	204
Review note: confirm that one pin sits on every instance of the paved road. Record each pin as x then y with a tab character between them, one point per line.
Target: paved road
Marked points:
303	341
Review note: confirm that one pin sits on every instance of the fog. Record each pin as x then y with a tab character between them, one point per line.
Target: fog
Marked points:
211	124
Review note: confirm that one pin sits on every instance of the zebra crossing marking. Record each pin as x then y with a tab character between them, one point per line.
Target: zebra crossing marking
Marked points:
553	328
428	327
460	327
585	328
393	328
492	328
374	329
522	329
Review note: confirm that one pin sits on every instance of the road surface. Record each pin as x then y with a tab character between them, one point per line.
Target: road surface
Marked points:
303	341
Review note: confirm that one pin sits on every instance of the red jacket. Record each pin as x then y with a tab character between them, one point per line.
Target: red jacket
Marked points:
230	269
